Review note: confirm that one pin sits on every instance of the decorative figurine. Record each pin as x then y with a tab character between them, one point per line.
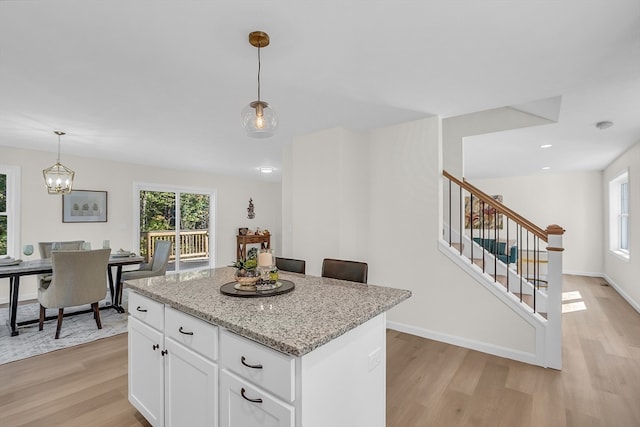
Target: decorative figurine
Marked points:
250	210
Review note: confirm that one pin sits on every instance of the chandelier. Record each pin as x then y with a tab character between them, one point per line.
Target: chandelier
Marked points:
258	118
58	178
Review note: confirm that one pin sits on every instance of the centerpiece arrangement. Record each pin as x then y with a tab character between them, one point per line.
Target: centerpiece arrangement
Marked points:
247	273
257	271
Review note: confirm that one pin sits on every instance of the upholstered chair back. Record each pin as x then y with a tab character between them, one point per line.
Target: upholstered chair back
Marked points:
45	247
79	277
290	264
353	271
161	254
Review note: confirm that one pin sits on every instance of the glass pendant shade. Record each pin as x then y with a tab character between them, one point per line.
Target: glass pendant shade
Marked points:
58	178
259	119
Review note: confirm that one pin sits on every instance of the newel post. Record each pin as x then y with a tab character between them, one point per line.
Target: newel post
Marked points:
554	296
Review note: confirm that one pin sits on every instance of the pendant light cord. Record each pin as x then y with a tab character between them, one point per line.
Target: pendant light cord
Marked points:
58	161
258	71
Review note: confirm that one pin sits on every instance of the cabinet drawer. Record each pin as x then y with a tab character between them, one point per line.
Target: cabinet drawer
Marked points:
242	404
147	310
267	368
191	332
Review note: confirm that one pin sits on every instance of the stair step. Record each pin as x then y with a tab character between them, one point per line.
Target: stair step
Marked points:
525	298
502	279
458	246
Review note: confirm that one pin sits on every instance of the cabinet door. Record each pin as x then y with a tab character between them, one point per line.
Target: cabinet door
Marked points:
191	388
244	405
146	371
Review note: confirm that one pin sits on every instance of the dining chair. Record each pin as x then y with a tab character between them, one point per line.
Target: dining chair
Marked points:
79	277
45	249
290	264
353	271
157	266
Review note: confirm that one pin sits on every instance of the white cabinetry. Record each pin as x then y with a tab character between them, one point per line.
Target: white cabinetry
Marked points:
173	379
146	371
257	384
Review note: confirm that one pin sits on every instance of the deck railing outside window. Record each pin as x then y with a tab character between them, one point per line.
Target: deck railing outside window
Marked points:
194	244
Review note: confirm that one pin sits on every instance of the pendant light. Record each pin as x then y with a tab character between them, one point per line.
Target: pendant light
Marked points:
58	178
258	118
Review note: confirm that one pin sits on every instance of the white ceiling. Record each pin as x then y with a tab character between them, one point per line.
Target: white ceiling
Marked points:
163	82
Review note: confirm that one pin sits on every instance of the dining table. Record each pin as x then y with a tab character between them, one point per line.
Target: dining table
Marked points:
44	266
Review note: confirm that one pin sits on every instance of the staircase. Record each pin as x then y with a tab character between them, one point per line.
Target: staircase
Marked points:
519	262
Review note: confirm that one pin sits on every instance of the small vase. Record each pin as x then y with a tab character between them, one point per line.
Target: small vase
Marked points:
247	278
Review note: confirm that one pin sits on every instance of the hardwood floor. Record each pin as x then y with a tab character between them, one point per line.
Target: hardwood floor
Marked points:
428	383
434	384
84	385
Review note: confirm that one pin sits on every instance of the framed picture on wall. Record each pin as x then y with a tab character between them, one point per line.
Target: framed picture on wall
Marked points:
84	206
482	215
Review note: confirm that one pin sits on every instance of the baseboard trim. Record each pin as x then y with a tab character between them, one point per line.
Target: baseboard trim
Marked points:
622	293
582	273
520	356
614	285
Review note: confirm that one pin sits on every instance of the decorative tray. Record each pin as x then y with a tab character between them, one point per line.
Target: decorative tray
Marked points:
232	290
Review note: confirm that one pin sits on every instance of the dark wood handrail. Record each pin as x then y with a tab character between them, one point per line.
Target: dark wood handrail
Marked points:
500	208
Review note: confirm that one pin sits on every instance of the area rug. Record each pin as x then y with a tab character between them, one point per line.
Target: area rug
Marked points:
75	330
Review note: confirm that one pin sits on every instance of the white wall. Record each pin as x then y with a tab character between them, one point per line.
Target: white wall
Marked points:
405	225
375	197
572	200
454	129
327	177
42	213
623	274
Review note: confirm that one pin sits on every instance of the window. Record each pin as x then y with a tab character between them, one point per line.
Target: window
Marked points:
619	215
10	210
180	215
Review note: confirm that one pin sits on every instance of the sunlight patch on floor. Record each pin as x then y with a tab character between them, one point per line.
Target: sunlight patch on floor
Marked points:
570	307
571	295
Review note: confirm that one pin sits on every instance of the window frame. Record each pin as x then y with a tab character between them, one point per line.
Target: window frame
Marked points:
177	189
619	194
13	209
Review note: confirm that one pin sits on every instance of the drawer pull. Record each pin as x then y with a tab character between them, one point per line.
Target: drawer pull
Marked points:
144	310
183	332
163	352
156	346
243	360
249	399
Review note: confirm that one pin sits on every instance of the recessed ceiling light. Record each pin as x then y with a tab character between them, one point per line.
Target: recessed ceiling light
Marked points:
546	146
266	170
546	168
604	125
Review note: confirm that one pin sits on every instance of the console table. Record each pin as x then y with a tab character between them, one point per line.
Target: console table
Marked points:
243	241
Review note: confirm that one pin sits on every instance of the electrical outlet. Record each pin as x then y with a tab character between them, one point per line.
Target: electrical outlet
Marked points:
375	358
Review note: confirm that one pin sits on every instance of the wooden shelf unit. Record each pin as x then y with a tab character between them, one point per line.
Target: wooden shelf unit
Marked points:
263	240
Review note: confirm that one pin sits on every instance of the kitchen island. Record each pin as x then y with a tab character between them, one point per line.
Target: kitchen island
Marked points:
312	357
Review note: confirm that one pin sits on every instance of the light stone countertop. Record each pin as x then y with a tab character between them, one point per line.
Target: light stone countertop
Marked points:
317	311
